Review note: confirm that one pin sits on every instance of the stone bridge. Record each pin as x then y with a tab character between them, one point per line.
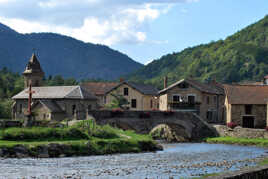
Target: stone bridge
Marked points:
186	124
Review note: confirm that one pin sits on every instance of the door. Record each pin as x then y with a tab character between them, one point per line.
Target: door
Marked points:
248	122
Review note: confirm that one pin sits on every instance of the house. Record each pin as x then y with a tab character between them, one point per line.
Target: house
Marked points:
246	105
141	97
99	89
51	102
207	100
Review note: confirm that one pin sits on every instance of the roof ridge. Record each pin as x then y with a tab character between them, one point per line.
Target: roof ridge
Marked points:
81	92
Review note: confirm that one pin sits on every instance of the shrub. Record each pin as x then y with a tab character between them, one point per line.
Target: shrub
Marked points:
105	132
38	133
231	125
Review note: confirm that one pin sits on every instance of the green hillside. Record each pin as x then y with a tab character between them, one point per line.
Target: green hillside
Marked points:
240	57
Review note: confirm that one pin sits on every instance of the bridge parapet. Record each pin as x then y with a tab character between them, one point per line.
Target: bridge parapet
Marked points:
187	124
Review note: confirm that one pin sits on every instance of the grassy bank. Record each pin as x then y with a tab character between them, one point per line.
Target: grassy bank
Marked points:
84	138
238	141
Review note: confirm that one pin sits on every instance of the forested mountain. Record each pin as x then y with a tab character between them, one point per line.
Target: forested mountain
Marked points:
62	55
240	57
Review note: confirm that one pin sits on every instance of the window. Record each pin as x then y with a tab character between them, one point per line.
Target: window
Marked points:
89	107
176	98
207	99
134	103
209	115
191	99
248	109
20	109
73	109
215	99
125	91
151	103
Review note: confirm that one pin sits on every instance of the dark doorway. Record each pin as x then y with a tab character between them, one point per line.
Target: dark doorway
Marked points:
248	122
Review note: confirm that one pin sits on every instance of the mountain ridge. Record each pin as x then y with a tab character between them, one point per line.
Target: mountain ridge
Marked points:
63	55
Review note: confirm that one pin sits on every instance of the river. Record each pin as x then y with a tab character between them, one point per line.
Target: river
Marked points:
176	160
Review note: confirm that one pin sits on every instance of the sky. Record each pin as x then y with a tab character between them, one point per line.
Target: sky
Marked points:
143	29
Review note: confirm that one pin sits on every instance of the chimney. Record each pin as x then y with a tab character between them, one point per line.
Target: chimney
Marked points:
165	81
122	80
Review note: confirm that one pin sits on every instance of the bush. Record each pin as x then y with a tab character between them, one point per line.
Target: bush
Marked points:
38	133
105	132
231	125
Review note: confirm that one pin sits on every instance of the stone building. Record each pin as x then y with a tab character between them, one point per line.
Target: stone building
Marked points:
246	105
99	89
51	102
141	97
207	100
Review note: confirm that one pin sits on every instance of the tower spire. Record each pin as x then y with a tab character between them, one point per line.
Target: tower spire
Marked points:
33	73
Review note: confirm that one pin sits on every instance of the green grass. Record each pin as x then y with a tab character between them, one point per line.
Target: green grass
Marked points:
263	162
239	141
102	139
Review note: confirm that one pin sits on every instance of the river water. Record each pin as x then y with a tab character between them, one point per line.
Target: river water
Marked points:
176	160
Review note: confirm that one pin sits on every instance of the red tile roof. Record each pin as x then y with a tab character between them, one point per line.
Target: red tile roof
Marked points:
99	88
243	94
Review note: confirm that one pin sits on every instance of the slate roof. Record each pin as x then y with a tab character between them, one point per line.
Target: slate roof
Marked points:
56	92
99	88
51	105
142	88
33	66
242	94
215	88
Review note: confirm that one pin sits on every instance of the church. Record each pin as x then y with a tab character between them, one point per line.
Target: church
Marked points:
51	102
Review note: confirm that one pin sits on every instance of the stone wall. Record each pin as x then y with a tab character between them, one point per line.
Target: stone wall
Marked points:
186	124
240	132
238	111
254	173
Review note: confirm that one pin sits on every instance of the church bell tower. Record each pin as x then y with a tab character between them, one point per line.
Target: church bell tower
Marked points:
33	73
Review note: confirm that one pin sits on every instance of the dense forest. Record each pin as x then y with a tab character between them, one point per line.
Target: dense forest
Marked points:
240	57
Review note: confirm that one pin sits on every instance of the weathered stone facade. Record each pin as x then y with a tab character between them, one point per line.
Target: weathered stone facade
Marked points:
64	109
51	102
246	105
187	125
210	106
144	102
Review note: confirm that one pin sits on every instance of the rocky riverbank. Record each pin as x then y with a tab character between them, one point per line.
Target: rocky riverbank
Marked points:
54	150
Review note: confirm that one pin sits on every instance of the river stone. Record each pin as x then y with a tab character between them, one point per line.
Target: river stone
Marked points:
21	151
42	152
55	150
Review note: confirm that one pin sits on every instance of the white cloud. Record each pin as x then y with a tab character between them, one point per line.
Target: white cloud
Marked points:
98	21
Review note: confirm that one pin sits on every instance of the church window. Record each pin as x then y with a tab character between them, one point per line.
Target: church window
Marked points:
73	109
20	109
89	107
